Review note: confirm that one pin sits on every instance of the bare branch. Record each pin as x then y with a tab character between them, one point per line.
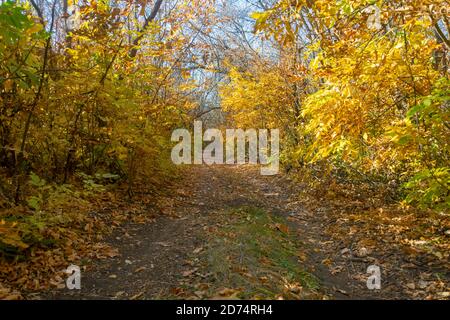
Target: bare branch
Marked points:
149	19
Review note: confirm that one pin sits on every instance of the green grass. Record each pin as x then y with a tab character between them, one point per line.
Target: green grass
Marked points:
253	255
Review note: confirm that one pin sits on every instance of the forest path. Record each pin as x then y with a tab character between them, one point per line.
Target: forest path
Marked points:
227	232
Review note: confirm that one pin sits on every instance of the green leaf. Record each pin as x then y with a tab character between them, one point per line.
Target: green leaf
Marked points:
36	181
414	110
34	203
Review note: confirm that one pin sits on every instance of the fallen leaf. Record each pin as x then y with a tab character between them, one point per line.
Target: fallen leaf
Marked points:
198	250
140	269
188	272
163	244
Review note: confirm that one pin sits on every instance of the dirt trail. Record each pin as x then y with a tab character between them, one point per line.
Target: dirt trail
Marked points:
164	259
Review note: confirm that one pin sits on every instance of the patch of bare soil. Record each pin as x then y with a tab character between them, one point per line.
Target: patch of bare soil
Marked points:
163	259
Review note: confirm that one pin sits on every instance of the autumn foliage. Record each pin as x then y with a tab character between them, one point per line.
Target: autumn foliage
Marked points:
360	87
88	99
90	92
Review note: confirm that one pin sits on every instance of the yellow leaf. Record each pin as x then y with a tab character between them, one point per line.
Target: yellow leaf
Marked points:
35	28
